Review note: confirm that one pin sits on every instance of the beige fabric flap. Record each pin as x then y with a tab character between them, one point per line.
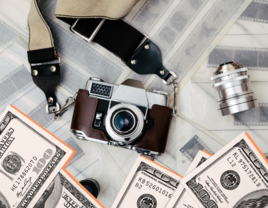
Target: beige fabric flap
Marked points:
40	36
108	9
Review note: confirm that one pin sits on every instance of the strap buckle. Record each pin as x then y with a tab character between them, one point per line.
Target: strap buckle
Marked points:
84	37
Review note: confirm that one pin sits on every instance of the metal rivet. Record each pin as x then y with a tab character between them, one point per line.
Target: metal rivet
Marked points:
162	72
133	62
35	72
50	100
53	69
147	46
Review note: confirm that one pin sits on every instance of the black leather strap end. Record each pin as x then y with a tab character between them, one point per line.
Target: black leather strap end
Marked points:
147	59
47	78
41	55
46	70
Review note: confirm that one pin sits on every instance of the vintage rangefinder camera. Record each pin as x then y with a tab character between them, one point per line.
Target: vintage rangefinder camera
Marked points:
122	115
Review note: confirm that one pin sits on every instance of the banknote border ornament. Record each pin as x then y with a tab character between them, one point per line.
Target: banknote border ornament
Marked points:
56	158
6	120
152	171
77	194
180	198
202	160
197	189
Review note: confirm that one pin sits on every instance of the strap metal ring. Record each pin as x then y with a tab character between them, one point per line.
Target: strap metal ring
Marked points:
50	111
172	80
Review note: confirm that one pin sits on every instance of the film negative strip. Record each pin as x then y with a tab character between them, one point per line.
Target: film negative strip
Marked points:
14	84
191	148
252	58
72	79
256	12
192	48
79	152
253	117
149	15
177	23
8	33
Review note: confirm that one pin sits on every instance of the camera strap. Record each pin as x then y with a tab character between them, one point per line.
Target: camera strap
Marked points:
134	49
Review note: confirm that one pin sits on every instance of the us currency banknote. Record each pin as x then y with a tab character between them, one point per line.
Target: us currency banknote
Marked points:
30	158
65	192
181	197
236	176
147	185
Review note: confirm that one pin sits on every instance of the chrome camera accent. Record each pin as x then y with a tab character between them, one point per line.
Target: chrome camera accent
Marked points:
232	86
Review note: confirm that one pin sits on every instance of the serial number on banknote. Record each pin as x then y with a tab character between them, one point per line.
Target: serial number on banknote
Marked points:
237	161
23	174
143	182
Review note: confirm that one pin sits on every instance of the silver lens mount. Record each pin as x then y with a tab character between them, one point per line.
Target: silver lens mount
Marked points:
115	115
131	134
232	86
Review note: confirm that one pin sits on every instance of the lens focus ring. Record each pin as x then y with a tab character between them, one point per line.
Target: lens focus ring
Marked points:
232	88
121	127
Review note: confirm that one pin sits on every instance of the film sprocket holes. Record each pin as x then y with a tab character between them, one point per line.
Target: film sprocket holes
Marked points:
123	115
232	86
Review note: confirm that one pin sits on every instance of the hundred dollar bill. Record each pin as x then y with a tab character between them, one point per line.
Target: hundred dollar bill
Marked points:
199	159
147	185
236	177
181	198
30	158
65	192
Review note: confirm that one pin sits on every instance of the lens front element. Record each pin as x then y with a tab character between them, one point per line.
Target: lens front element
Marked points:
124	121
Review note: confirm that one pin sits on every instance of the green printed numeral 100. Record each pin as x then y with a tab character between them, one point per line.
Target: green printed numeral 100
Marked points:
42	161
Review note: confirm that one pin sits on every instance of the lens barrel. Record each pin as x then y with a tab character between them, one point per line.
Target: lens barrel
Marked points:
232	86
124	123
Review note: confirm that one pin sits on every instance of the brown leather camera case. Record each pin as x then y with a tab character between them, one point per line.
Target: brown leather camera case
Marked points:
154	139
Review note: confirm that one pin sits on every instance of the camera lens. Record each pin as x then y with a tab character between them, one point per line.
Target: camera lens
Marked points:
124	121
232	87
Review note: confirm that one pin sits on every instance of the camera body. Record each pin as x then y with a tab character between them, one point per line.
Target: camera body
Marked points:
123	115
